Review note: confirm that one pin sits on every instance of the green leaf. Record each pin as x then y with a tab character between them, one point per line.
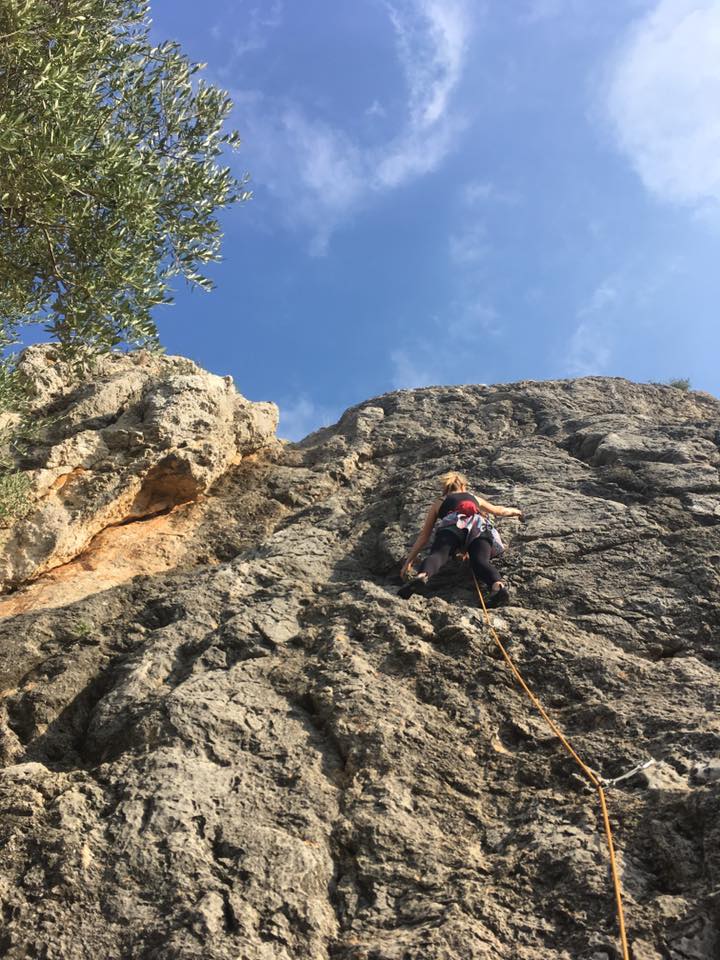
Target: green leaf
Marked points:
118	181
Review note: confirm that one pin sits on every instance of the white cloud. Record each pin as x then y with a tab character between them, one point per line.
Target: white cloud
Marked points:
532	12
315	170
412	154
426	363
302	417
470	246
376	109
470	318
591	345
539	10
328	163
416	368
256	23
476	193
454	350
663	100
432	39
469	254
621	306
474	321
321	173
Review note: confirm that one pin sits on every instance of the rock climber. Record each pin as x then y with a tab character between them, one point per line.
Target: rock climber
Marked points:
462	522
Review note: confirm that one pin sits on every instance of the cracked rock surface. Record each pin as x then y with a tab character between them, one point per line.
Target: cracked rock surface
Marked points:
275	758
144	434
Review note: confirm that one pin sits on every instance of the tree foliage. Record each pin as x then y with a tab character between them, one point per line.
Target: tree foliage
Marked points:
111	176
111	172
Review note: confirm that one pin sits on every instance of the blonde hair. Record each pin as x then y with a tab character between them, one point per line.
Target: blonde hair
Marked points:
453	482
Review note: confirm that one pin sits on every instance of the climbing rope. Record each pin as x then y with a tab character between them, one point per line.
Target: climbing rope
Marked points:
594	780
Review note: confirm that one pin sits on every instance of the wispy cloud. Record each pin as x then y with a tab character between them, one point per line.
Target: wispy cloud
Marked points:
477	193
474	321
662	98
591	345
303	416
453	350
257	22
471	318
621	306
376	109
417	367
469	246
432	39
532	12
535	11
426	363
323	173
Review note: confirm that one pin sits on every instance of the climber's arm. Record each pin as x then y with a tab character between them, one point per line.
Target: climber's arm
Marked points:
497	510
423	536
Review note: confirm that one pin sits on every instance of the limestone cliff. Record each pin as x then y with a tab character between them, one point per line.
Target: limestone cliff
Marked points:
252	749
143	439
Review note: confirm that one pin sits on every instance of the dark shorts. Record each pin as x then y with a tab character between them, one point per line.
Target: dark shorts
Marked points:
456	538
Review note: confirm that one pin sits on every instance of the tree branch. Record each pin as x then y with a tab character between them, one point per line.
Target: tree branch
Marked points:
51	251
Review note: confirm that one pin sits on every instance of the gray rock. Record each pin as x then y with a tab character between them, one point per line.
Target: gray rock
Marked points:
707	772
272	757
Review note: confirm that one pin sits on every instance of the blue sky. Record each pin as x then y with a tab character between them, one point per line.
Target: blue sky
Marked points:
458	192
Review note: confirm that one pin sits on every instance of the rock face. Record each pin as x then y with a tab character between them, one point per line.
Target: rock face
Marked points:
145	435
274	758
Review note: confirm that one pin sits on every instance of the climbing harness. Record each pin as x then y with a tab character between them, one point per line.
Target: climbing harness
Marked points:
596	781
473	525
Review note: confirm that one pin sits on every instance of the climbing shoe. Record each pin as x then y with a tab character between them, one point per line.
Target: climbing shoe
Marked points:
500	598
416	585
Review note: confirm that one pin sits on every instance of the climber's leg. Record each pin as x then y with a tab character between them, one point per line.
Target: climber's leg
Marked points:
444	545
480	551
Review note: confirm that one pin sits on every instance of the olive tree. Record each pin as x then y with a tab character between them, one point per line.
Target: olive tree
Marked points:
111	176
109	170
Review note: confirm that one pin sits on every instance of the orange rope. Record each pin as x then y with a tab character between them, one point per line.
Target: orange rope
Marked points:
585	769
